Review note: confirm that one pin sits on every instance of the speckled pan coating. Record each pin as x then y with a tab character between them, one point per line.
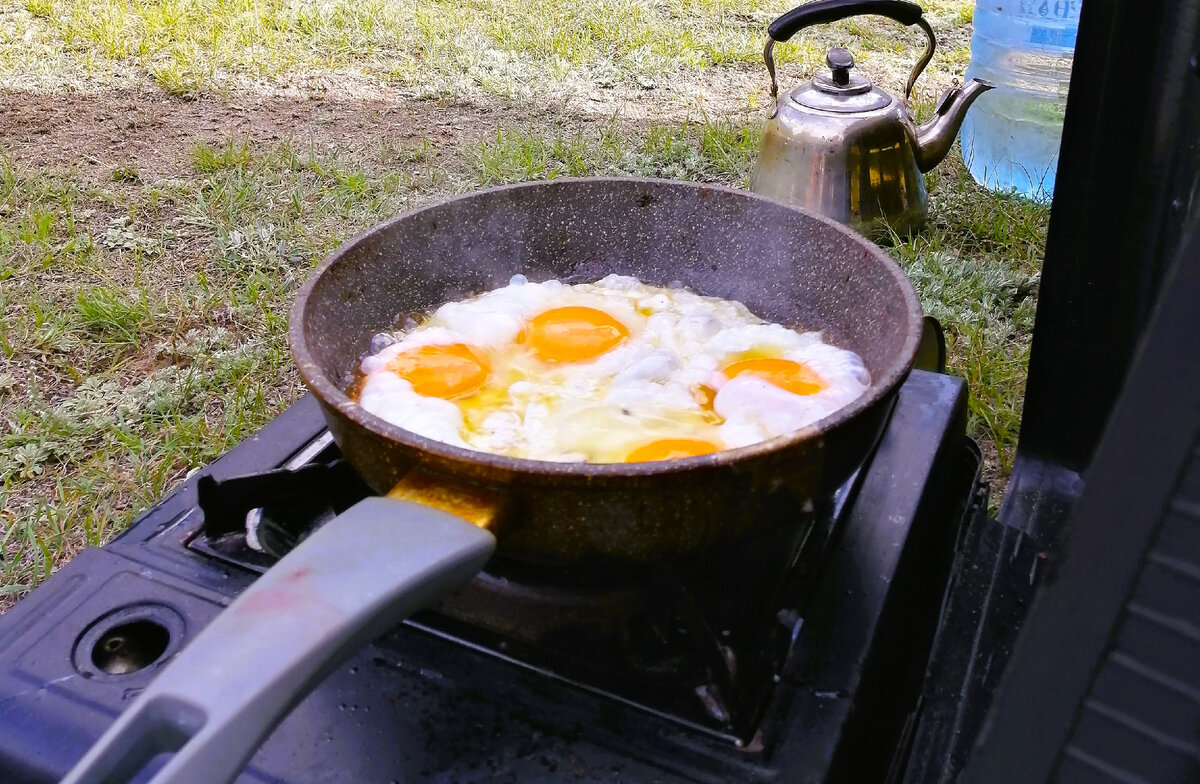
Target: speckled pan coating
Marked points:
786	265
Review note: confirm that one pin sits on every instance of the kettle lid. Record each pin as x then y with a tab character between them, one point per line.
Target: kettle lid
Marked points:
840	91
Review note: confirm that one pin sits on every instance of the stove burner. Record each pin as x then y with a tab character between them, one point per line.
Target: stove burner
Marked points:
700	640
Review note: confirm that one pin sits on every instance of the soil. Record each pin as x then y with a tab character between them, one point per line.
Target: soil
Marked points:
101	131
96	132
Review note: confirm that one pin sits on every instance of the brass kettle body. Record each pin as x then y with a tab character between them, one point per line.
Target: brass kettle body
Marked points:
841	147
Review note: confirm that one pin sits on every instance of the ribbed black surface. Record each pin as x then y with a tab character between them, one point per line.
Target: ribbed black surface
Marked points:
1141	721
1104	681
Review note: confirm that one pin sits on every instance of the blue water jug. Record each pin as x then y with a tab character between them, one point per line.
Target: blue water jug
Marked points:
1010	139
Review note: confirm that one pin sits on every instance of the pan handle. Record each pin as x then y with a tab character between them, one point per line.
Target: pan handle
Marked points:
344	585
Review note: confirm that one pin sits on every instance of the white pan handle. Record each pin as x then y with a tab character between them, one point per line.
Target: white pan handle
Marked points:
342	587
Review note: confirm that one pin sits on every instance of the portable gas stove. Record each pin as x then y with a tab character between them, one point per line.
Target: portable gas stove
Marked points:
797	656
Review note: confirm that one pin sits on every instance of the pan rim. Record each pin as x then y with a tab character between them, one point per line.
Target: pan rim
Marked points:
328	392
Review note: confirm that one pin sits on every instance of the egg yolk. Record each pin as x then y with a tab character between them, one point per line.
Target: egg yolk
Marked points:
794	377
574	334
704	395
670	449
441	371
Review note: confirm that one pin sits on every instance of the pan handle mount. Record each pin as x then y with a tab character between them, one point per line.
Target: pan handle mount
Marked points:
347	583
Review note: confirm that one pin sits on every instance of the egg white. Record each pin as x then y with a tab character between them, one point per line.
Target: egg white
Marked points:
641	390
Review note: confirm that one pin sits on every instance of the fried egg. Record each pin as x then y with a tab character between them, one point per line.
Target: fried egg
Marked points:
604	372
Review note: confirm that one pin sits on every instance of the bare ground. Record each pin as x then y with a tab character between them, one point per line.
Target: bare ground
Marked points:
100	128
101	131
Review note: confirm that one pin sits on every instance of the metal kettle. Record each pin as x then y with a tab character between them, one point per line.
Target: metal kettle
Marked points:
839	146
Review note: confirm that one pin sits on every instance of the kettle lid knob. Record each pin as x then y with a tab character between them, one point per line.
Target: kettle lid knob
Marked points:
840	61
840	82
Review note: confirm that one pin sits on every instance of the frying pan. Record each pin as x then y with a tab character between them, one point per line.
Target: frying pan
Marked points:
428	531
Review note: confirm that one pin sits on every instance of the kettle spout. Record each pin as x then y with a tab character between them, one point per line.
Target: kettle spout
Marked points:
935	137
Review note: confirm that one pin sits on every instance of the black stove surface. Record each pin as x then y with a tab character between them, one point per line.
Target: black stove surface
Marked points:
797	656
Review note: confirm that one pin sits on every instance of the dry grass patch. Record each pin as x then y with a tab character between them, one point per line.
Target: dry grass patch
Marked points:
519	49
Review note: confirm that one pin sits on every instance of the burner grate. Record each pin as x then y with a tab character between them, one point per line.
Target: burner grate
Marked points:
701	641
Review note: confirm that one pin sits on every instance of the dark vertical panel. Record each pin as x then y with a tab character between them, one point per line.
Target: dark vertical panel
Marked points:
1078	691
1126	178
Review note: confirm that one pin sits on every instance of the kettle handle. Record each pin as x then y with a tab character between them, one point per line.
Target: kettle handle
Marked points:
826	11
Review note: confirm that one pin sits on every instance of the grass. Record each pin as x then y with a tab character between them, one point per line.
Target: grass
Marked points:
143	313
702	150
977	269
110	316
515	48
123	372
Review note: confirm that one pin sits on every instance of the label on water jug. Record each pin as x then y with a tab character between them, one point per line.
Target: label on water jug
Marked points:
1057	37
1060	10
1063	12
